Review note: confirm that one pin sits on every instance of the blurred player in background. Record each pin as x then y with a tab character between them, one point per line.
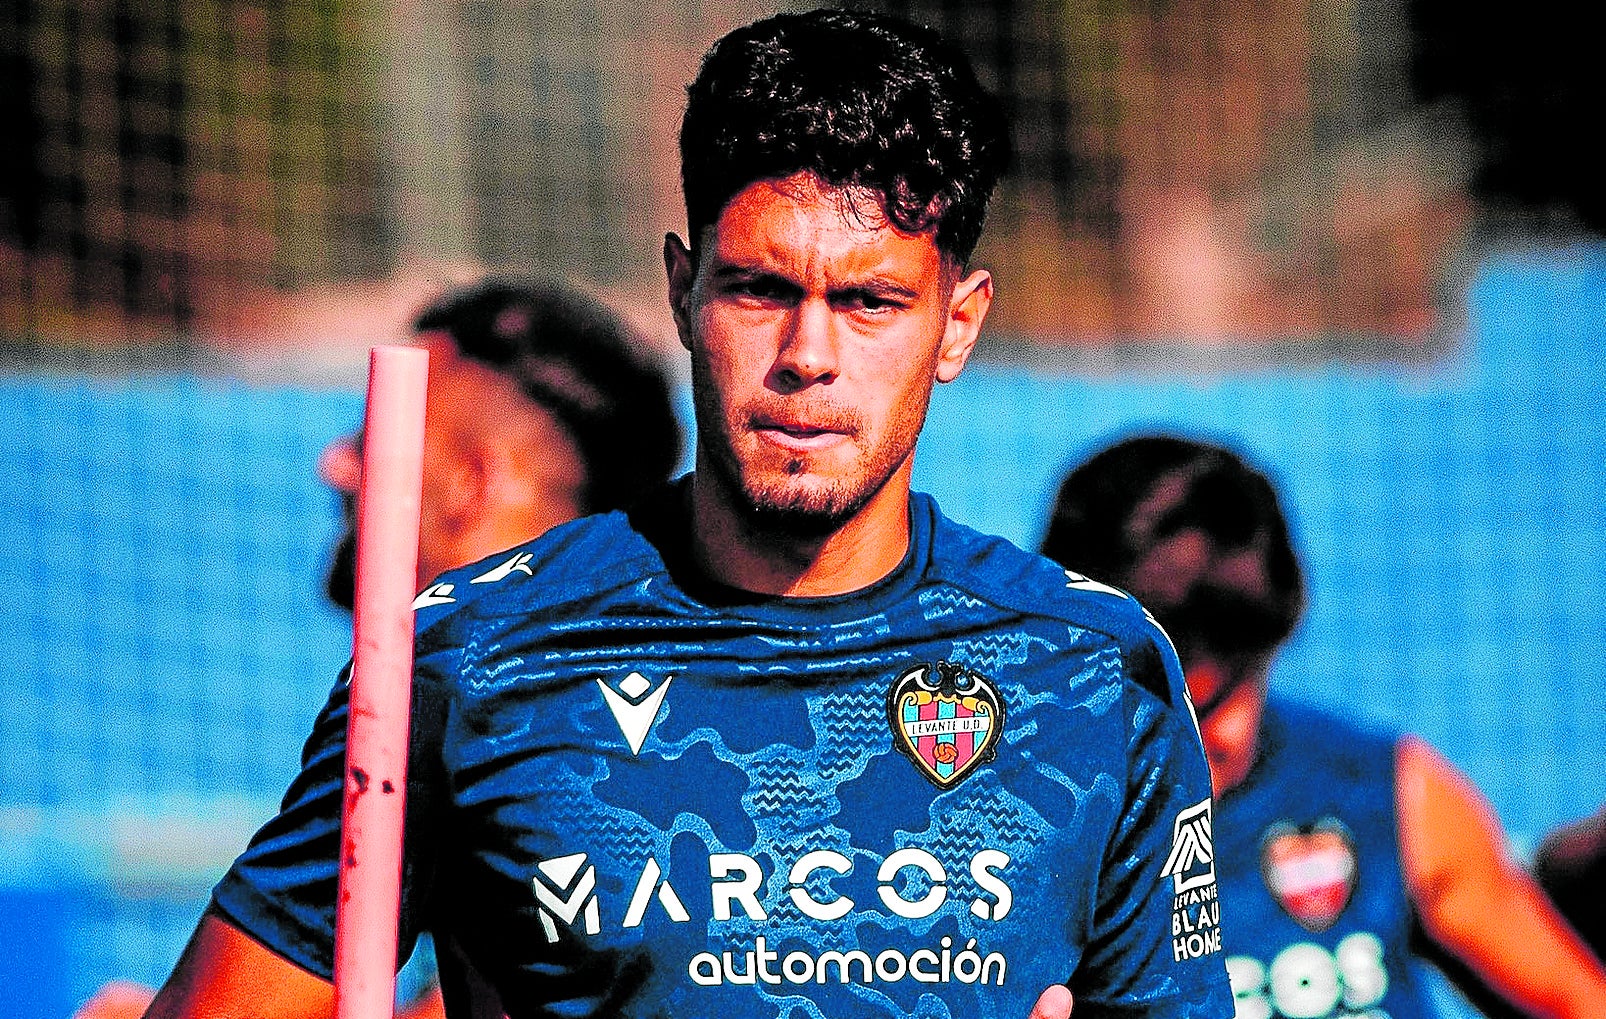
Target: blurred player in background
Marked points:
783	738
541	407
1331	841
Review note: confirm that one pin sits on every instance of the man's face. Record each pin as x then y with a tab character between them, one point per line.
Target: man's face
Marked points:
816	331
462	485
1206	597
340	467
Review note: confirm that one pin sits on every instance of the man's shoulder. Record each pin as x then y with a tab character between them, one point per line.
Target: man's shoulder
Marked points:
998	571
1097	618
574	562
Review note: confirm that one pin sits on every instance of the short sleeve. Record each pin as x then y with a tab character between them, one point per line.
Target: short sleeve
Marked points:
281	890
1156	944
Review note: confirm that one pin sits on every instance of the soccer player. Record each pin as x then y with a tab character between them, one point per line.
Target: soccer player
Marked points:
781	740
1332	840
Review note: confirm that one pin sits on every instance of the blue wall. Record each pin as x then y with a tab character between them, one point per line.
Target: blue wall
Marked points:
162	541
161	546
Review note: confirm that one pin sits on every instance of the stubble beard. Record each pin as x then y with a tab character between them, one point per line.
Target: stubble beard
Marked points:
802	508
781	501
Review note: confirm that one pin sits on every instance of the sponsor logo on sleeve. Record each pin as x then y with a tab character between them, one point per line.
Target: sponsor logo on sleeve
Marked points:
945	718
1192	863
1191	866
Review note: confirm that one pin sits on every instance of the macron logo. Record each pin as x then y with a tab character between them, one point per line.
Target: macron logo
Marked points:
635	705
1192	863
1077	582
518	564
435	594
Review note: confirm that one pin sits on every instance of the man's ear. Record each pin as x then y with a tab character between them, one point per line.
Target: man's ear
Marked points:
967	309
681	270
465	485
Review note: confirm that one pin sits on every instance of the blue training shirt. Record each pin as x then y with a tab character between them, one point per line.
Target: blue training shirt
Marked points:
1321	922
633	792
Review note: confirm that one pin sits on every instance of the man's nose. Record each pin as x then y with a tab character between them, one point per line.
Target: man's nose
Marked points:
808	351
340	465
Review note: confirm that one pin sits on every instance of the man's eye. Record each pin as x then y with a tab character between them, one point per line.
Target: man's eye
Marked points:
874	303
760	289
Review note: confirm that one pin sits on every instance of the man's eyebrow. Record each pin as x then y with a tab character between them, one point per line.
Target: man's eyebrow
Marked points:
877	285
735	270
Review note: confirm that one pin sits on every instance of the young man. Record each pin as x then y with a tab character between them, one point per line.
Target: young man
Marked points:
782	740
1333	840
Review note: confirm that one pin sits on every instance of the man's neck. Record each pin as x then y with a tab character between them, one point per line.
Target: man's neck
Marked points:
739	551
1231	734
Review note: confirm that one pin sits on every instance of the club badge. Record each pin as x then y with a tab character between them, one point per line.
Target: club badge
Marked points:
1310	870
945	718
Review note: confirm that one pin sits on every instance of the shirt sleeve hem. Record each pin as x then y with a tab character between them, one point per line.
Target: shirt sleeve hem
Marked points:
265	921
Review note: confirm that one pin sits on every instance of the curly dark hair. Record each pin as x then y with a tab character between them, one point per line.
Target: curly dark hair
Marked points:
577	359
857	99
1212	489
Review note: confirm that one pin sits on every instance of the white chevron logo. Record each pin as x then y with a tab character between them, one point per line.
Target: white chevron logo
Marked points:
435	594
1192	863
577	900
520	563
1078	582
635	705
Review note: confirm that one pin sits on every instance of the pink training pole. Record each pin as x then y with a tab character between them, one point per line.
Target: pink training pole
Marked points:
381	684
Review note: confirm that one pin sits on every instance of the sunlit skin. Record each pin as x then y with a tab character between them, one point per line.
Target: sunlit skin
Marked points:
1230	728
1054	1003
816	331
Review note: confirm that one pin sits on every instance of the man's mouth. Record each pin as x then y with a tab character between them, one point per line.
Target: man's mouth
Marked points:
799	434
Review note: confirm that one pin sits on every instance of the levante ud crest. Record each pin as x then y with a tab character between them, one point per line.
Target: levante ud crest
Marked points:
1310	870
945	718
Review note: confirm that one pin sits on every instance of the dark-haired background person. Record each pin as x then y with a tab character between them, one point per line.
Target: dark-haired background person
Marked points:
1331	840
542	406
782	739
